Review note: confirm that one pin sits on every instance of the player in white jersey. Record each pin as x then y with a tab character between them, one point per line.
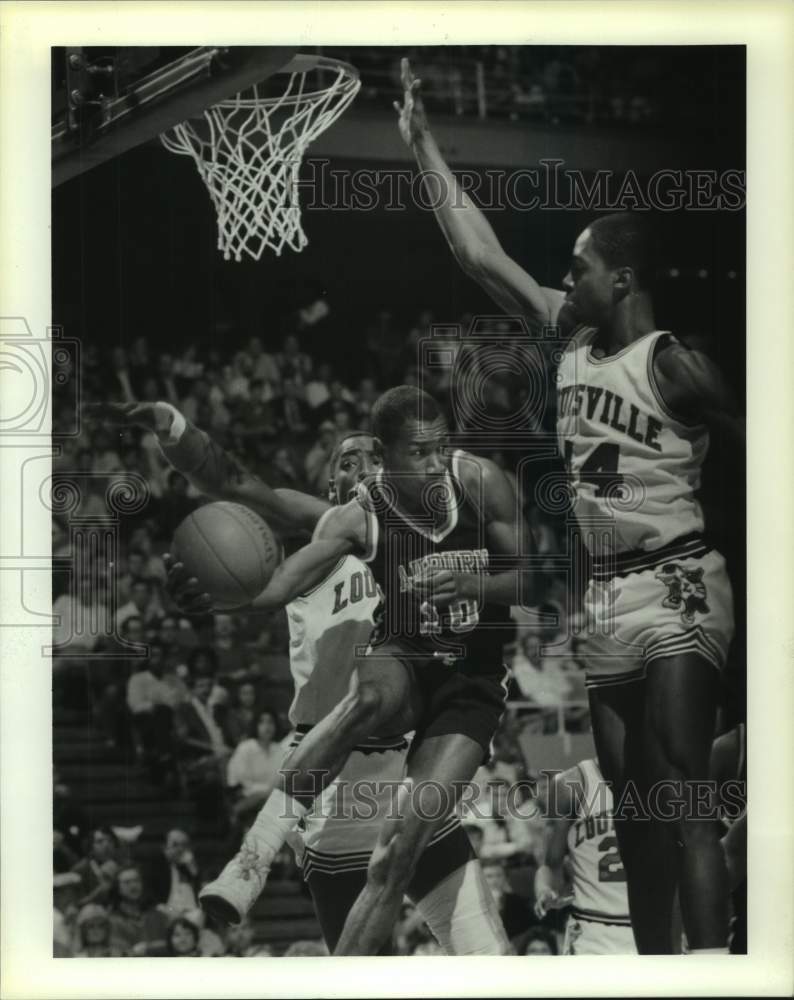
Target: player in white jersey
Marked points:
327	626
635	410
579	834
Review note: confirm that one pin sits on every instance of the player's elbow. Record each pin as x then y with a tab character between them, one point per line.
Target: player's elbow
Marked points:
472	256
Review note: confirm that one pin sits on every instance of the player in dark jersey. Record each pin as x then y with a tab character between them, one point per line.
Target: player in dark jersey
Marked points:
654	722
445	539
448	885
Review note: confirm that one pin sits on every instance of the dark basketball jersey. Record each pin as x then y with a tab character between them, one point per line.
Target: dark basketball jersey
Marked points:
449	534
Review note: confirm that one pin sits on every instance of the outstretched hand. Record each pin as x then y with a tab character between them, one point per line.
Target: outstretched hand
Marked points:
156	417
412	121
185	590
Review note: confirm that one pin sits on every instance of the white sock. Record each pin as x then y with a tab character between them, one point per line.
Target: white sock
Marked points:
277	818
709	951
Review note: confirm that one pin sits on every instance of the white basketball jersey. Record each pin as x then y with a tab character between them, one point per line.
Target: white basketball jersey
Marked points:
327	626
599	879
631	462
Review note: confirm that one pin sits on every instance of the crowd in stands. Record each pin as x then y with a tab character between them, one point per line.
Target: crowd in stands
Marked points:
630	86
200	703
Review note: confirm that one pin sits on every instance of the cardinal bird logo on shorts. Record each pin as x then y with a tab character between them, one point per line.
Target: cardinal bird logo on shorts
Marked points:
686	590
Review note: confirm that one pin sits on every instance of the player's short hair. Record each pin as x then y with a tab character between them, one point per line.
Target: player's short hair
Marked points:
626	239
340	444
398	405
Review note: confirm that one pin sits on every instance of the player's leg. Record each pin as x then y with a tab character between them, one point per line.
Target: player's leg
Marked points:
462	914
617	715
333	895
681	703
381	696
439	768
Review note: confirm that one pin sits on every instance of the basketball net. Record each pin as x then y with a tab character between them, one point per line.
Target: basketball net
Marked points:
249	148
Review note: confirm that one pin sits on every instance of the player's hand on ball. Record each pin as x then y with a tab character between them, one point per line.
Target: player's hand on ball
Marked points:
156	417
413	121
184	590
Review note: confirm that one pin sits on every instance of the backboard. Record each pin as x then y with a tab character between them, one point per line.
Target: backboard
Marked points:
105	101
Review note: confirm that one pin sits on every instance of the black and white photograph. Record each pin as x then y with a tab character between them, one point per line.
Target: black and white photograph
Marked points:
390	424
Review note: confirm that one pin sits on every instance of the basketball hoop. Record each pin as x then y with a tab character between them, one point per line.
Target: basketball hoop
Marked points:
250	157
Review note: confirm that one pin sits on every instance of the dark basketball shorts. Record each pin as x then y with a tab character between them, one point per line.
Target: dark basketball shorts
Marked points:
465	695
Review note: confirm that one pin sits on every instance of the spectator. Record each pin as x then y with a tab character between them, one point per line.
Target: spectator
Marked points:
318	388
174	876
135	926
284	474
339	398
66	890
263	365
98	868
143	603
135	570
230	653
177	636
175	504
152	701
80	618
202	749
105	456
293	362
166	379
255	417
63	857
121	383
253	768
182	939
317	463
292	412
187	367
94	934
242	714
69	820
202	661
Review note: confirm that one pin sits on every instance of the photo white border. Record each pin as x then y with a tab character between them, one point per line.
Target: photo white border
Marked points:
27	30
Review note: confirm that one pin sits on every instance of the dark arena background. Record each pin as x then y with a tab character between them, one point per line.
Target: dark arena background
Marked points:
279	357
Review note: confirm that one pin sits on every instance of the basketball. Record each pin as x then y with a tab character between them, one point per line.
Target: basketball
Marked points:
230	550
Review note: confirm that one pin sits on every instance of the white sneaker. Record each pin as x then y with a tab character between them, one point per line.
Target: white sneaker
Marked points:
232	894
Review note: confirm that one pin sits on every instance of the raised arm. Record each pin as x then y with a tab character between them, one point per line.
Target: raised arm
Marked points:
468	232
212	470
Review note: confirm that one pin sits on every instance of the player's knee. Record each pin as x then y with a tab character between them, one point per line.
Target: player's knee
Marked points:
697	834
364	705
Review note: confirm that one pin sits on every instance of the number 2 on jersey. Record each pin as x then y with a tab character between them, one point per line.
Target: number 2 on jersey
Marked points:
610	867
600	468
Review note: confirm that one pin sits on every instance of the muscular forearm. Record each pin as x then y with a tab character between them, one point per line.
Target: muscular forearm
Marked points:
465	227
218	474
